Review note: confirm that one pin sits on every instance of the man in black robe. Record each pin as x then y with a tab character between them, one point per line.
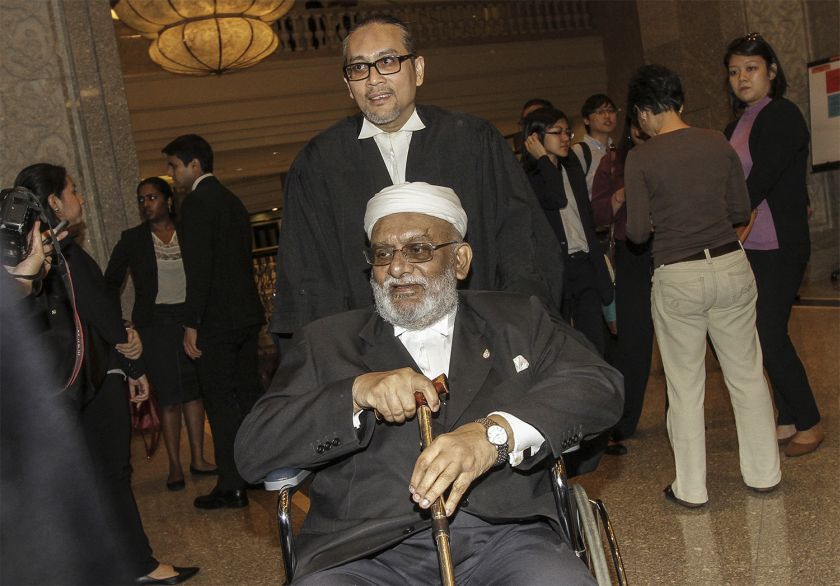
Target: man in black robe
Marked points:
320	271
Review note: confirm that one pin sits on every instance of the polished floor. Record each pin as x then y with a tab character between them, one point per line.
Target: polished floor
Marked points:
789	537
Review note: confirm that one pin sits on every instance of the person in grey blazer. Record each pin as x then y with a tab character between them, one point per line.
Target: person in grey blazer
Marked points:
523	389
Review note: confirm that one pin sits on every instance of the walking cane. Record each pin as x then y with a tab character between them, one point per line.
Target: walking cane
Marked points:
440	524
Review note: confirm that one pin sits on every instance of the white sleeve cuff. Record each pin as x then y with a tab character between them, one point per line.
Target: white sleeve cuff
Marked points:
525	437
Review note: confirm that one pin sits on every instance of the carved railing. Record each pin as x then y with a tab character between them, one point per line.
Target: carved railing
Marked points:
436	24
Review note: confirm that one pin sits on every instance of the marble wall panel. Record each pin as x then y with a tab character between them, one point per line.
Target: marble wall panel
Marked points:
62	101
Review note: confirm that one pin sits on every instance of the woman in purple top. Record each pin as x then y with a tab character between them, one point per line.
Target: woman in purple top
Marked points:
771	139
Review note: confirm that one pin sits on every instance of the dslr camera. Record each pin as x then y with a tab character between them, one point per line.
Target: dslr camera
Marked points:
19	208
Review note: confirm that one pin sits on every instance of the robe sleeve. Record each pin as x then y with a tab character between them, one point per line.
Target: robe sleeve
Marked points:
308	266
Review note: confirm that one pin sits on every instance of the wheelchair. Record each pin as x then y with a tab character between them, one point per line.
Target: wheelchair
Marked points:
584	523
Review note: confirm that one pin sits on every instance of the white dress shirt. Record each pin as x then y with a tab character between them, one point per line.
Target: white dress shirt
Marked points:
431	349
393	146
598	150
570	215
199	180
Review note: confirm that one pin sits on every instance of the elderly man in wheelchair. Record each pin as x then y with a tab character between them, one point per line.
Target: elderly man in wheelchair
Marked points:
476	505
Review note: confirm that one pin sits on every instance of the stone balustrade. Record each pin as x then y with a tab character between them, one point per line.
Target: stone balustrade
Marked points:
437	24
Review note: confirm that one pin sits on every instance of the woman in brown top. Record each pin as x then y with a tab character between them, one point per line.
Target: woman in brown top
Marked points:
687	183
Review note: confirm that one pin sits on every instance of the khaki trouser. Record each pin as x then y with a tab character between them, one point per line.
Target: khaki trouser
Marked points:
714	295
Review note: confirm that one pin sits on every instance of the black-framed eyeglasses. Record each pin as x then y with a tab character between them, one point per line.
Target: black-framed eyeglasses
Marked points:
388	65
141	199
567	131
416	252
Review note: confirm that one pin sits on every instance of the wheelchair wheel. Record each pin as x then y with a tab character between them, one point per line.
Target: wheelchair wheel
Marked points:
596	559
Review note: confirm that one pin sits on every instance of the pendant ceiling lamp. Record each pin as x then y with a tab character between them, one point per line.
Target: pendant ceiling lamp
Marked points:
200	37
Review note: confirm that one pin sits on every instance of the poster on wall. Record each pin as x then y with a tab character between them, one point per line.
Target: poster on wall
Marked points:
824	85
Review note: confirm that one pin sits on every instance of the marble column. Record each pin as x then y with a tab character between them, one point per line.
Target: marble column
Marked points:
62	101
691	38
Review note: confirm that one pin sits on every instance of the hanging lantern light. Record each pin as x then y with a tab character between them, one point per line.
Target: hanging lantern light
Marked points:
200	37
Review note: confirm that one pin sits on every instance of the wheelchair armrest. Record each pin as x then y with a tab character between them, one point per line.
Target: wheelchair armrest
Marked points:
285	478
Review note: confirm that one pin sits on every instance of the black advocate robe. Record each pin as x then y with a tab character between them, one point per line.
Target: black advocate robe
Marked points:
320	267
360	499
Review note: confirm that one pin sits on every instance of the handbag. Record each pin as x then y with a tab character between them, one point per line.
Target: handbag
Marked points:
145	421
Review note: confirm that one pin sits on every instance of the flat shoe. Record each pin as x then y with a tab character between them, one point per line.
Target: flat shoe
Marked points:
669	494
766	489
615	449
197	472
176	485
182	575
796	449
784	441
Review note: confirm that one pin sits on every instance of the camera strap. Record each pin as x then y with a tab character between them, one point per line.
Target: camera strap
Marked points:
79	342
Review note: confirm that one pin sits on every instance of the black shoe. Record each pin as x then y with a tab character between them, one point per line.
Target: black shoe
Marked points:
222	499
183	574
669	494
176	485
615	449
765	489
197	472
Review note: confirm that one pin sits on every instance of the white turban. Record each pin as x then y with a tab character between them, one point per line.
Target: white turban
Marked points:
421	198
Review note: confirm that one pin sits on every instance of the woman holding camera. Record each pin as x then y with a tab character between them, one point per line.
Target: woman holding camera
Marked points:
771	139
688	184
94	354
152	252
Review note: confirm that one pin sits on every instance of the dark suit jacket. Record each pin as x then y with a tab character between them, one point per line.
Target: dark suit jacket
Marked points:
360	499
547	181
215	242
779	150
320	267
135	251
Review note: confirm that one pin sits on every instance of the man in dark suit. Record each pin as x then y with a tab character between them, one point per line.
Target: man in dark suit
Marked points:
523	389
319	270
223	310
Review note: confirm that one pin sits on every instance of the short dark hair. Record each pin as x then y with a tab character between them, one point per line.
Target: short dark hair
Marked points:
407	37
594	102
539	102
655	88
754	45
44	180
538	121
191	146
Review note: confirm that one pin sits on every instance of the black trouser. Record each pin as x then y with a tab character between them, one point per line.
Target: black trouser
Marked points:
581	300
230	385
635	330
778	277
106	422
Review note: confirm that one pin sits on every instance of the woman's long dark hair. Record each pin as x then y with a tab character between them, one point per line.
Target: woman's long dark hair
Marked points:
538	121
754	45
44	180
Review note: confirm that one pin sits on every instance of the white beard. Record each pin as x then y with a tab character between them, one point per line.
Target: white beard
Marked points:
440	298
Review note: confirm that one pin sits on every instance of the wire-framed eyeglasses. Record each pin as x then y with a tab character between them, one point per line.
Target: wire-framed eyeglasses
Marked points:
416	252
388	65
567	131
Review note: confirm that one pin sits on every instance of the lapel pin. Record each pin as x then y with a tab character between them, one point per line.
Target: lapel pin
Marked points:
486	353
